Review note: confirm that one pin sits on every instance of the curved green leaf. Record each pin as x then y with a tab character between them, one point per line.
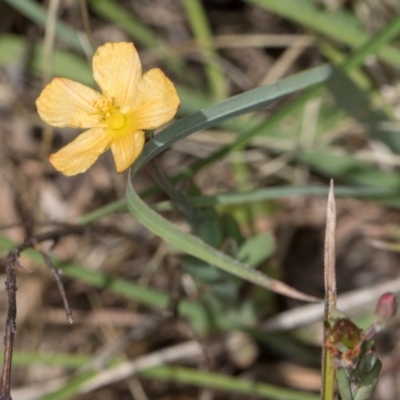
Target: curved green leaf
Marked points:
230	108
205	118
192	245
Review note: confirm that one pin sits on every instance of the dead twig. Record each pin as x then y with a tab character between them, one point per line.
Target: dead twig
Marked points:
60	285
12	262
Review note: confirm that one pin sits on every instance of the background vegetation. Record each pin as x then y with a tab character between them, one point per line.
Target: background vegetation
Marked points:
151	321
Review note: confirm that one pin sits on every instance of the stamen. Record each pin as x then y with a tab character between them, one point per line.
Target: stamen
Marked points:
110	114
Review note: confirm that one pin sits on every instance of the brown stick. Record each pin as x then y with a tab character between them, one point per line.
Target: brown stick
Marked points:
12	262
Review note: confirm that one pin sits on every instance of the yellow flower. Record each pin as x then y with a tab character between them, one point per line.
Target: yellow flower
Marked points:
128	105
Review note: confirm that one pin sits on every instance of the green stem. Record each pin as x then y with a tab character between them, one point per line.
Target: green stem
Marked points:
202	32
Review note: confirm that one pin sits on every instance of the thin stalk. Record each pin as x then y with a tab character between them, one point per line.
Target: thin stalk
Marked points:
203	35
328	370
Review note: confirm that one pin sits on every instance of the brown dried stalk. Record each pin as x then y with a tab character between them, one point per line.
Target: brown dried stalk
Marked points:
12	262
328	372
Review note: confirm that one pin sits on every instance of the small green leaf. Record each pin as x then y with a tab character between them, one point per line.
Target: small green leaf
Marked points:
344	385
256	249
368	382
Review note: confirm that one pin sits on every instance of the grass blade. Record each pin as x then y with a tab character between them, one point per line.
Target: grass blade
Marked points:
222	382
202	32
230	108
192	245
280	192
233	107
113	12
306	14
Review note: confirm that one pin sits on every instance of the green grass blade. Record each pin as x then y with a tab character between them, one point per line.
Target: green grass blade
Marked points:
339	57
202	32
280	192
111	208
253	196
172	374
217	381
230	108
113	12
345	167
374	44
64	360
194	246
71	388
306	14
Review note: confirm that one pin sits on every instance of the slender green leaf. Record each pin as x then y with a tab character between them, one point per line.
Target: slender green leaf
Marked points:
307	14
172	374
280	192
234	106
222	382
230	108
124	19
71	388
197	248
202	32
351	170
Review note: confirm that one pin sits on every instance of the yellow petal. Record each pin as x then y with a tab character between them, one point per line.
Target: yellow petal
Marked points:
67	103
81	153
157	101
126	149
117	70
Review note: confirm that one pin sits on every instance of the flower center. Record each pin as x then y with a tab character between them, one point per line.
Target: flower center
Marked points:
115	119
110	114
